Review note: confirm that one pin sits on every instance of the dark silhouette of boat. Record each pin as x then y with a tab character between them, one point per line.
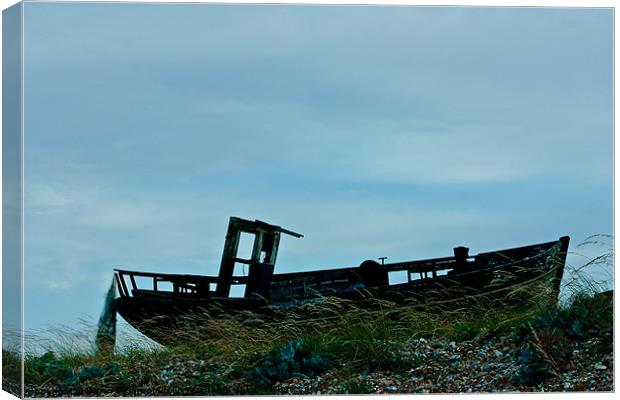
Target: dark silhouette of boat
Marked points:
161	301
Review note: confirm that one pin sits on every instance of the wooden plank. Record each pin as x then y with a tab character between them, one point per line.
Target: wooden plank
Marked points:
168	277
122	290
273	254
227	265
257	248
123	285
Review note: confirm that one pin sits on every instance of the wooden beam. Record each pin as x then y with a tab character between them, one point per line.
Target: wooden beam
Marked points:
123	284
227	265
121	288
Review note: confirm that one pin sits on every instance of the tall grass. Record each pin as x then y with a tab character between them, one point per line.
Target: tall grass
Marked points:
592	270
362	337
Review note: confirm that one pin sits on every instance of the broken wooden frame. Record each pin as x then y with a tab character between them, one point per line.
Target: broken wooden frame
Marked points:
263	283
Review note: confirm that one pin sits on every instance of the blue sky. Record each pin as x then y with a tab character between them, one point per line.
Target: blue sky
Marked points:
375	131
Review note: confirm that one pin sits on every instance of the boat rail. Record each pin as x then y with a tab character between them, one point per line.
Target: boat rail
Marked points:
182	284
285	284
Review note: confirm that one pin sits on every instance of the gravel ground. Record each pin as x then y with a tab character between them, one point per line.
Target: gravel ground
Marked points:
465	367
432	366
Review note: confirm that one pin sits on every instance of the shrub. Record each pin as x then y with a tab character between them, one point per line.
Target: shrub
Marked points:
291	359
546	352
546	342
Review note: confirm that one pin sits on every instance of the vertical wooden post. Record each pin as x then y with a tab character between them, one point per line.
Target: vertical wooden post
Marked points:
122	289
273	253
227	265
258	246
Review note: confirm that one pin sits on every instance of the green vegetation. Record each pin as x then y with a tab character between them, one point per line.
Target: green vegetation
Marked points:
248	356
547	339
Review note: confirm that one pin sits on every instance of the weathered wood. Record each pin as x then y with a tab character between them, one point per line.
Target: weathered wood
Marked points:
559	260
166	277
324	279
457	275
229	254
257	248
273	252
259	280
266	240
121	285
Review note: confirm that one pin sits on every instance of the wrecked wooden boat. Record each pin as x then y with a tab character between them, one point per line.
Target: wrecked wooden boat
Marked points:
155	303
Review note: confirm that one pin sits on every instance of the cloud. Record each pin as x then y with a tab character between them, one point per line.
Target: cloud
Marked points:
59	285
376	131
409	95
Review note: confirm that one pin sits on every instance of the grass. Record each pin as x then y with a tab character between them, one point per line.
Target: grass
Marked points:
241	354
